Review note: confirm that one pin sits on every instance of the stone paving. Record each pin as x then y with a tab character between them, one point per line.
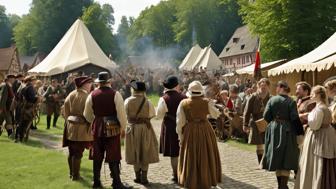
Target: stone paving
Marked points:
240	171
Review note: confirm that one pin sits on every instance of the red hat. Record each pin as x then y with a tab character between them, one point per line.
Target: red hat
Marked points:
80	81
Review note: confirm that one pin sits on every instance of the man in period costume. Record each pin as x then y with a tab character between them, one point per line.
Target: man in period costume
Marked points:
167	107
6	99
141	142
54	96
199	163
304	103
70	84
281	148
27	106
104	108
254	111
77	131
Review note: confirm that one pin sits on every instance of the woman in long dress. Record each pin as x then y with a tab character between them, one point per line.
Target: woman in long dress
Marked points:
318	158
281	148
199	162
141	147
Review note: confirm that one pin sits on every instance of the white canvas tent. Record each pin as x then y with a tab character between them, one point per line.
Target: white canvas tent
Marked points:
207	59
321	58
190	59
250	69
76	49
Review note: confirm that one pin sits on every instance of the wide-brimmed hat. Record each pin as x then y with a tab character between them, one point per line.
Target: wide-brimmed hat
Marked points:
29	78
138	85
195	89
80	81
171	82
102	77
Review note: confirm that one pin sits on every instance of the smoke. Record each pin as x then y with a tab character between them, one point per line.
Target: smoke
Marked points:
147	55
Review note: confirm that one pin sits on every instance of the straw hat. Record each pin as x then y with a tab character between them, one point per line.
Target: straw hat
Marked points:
195	89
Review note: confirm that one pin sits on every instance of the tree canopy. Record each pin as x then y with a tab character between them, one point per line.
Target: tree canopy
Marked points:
5	28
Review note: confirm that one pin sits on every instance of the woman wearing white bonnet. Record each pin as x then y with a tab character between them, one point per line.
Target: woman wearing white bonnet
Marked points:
199	162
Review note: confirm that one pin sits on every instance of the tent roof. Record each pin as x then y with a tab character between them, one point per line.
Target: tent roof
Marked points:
207	59
310	61
265	66
76	49
190	58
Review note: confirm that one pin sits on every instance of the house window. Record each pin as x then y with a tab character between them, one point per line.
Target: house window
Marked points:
227	49
238	60
243	60
235	39
230	61
242	47
247	59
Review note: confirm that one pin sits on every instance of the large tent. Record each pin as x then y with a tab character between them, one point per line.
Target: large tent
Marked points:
249	70
74	51
198	58
321	58
207	59
191	57
314	67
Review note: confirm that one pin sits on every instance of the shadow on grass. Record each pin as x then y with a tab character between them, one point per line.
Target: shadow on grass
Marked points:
87	175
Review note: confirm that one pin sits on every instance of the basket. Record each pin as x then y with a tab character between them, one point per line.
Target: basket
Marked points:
261	125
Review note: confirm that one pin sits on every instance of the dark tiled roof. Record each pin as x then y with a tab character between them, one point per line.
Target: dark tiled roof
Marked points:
241	42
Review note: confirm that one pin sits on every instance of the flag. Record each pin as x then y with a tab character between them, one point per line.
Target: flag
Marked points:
257	65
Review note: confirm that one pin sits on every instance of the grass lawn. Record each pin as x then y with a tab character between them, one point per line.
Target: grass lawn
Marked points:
29	166
241	145
42	126
154	98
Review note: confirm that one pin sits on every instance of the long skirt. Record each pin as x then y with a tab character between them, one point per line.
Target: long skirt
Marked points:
199	163
141	145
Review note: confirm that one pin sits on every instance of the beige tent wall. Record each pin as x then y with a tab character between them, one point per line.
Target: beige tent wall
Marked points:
295	77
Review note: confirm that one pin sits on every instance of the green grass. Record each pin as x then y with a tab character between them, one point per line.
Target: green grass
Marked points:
27	166
154	98
242	146
42	126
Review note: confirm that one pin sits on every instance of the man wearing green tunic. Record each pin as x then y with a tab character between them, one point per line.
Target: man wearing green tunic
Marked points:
281	148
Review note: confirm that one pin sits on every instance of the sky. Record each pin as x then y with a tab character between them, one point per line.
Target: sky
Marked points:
121	7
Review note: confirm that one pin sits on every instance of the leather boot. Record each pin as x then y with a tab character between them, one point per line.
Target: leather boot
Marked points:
55	121
96	174
75	169
137	177
279	181
48	122
70	166
259	158
284	182
115	174
175	179
144	179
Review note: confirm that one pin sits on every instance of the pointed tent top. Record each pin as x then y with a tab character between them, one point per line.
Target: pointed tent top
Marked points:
207	59
76	49
190	58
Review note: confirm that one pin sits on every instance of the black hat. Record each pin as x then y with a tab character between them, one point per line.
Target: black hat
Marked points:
102	77
10	76
171	82
138	85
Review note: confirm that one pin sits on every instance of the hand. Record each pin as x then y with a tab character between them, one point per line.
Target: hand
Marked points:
246	129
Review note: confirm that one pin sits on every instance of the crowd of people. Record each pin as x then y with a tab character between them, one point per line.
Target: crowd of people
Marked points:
290	134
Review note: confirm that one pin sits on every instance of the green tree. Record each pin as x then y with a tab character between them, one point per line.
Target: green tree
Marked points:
46	23
5	29
289	29
99	20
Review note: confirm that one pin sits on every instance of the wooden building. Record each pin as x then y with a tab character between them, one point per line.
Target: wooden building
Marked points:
9	62
240	50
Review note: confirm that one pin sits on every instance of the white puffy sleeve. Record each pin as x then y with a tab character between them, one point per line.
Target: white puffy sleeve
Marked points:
180	121
162	109
88	110
214	112
315	118
121	113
